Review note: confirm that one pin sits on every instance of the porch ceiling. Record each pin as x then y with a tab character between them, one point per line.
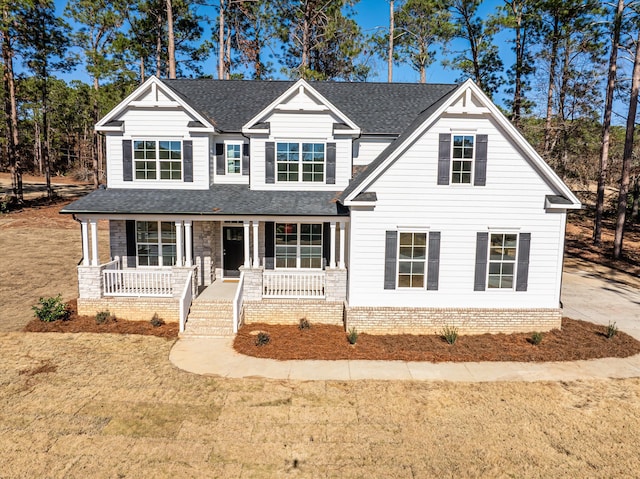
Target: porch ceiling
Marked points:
219	200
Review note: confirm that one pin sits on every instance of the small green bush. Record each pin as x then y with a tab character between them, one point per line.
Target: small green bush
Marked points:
262	339
352	336
449	334
51	309
156	321
612	330
304	324
536	338
103	317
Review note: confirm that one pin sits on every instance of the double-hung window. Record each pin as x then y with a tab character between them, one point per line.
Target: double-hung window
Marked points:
156	243
502	260
233	152
300	162
412	258
298	245
462	156
157	159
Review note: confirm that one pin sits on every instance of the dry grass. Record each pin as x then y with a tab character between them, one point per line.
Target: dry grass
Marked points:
113	406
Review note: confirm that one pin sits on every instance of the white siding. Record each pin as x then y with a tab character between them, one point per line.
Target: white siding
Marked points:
157	123
301	126
226	178
365	150
408	196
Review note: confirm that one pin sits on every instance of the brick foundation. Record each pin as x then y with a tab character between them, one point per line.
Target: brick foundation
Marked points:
133	309
282	311
377	320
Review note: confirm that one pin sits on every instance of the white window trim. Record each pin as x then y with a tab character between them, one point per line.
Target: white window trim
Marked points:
473	158
426	257
300	162
501	231
159	244
226	159
298	267
157	140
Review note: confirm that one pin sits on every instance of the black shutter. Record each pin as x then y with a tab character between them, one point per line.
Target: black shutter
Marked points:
331	163
187	161
245	159
390	254
269	246
433	267
127	161
326	244
524	247
131	242
269	163
444	158
221	168
482	245
480	175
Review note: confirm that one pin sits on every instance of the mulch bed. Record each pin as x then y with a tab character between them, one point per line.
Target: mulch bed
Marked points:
577	340
88	324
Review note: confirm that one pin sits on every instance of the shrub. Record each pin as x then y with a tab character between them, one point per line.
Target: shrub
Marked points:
262	339
103	317
156	321
352	336
536	338
304	324
51	309
612	330
449	334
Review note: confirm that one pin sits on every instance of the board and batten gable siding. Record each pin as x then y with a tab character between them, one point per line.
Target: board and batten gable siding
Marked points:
409	197
157	124
365	150
304	127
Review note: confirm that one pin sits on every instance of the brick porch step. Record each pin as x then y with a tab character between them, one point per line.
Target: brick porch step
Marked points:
209	319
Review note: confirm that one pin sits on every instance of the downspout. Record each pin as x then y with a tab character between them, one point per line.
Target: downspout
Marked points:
80	223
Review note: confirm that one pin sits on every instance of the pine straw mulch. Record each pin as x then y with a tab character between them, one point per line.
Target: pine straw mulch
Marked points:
577	340
88	324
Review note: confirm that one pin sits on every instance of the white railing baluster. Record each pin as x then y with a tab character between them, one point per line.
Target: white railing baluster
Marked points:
136	282
293	284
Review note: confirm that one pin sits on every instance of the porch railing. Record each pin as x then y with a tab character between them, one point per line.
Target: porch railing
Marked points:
137	282
237	304
293	284
185	301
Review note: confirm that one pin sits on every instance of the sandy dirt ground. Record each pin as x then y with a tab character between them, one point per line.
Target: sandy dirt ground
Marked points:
110	406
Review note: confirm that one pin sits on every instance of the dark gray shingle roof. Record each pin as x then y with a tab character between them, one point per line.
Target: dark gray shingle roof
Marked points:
377	108
219	200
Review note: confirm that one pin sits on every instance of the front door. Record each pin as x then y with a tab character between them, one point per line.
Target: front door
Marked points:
232	250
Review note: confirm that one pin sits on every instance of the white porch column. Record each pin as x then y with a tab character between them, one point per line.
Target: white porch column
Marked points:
178	243
332	261
256	259
85	243
188	243
341	265
94	243
247	259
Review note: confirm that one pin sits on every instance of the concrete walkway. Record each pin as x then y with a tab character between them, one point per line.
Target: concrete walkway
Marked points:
585	296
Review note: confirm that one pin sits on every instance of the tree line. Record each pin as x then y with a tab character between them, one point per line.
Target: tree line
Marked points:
571	61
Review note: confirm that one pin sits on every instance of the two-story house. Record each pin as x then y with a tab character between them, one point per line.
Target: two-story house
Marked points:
381	206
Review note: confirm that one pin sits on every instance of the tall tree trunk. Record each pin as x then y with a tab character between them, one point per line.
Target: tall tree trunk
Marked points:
37	144
516	107
306	37
606	125
159	46
227	54
142	70
221	41
391	35
96	143
46	144
628	154
635	204
11	110
171	47
552	80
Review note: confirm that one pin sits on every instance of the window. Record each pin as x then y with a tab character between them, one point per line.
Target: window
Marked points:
234	156
412	257
288	161
298	245
462	162
156	243
163	156
502	259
